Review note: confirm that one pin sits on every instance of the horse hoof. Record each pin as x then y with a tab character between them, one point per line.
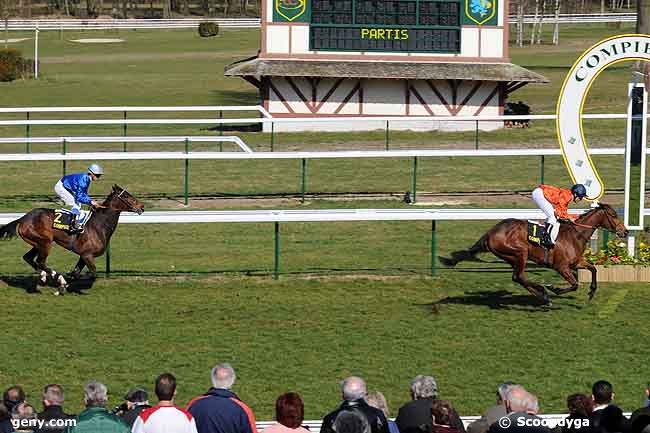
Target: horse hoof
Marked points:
57	293
63	284
43	277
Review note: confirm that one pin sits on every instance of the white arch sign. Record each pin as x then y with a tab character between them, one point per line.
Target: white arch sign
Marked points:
572	99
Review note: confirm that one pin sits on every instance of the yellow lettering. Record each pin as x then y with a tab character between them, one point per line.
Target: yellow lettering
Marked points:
373	33
380	34
57	218
405	34
364	33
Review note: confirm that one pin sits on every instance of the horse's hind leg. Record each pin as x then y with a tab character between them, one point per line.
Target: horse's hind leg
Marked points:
518	264
29	258
41	261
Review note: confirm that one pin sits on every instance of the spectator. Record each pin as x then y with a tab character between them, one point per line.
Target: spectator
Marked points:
289	414
96	419
220	410
580	408
520	406
135	401
165	417
493	413
12	396
612	420
441	411
377	399
353	393
602	394
639	424
351	421
5	420
640	418
23	417
53	399
415	416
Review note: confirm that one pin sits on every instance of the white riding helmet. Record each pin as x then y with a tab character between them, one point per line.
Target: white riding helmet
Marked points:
96	169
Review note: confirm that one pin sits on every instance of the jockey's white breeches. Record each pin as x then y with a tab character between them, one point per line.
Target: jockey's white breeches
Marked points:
544	205
67	198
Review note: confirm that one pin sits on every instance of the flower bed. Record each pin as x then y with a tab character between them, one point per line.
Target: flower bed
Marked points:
615	265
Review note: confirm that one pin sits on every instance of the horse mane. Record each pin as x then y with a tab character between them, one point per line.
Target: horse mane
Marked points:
600	207
115	190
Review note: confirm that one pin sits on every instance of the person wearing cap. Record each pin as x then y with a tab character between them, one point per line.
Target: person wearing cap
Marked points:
73	190
135	401
415	416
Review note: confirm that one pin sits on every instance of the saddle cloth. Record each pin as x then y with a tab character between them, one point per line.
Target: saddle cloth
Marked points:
536	233
63	218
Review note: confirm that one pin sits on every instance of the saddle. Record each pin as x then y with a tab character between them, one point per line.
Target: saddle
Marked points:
537	235
63	219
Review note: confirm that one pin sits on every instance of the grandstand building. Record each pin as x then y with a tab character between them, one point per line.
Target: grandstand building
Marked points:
371	58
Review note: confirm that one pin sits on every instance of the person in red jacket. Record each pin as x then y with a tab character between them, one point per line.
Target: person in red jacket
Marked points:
554	202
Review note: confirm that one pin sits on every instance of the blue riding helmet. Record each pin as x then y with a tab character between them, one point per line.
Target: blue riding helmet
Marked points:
579	191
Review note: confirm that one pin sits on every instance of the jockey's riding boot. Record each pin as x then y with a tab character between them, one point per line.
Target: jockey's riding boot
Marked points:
548	239
74	226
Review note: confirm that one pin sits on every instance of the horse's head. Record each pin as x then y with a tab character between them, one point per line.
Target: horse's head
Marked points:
608	219
121	200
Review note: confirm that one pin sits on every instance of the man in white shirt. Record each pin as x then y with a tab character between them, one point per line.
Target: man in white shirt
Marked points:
165	417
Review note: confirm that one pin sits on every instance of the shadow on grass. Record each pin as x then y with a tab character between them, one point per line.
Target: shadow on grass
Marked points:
30	284
502	300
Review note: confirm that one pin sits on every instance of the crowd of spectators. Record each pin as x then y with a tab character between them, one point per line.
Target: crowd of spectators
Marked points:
220	410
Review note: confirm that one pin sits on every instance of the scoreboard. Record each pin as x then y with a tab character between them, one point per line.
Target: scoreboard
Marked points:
385	25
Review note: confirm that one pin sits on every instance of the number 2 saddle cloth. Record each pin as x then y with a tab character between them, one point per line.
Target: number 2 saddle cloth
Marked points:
63	219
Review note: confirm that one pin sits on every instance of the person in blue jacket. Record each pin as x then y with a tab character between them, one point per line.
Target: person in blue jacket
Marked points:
73	190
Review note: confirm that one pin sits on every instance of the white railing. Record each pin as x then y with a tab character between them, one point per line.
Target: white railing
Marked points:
180	23
319	215
277	120
624	17
248	153
128	109
131	23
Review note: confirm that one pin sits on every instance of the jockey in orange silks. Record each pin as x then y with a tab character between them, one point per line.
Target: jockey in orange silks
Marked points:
554	202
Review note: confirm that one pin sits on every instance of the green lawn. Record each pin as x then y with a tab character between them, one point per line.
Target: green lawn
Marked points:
353	298
471	327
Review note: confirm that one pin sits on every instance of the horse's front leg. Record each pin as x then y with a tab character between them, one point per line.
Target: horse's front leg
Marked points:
76	272
89	259
568	274
583	264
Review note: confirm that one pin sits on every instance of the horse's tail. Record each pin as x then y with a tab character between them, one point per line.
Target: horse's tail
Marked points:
458	256
9	231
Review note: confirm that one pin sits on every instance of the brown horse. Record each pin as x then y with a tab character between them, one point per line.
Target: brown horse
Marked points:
508	241
36	229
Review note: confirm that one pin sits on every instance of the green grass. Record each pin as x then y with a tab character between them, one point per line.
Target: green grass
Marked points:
353	298
306	333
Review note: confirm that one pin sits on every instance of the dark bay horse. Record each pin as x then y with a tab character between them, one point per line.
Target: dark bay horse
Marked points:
36	229
508	240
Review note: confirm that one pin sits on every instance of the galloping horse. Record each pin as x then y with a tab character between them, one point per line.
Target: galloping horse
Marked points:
508	241
36	229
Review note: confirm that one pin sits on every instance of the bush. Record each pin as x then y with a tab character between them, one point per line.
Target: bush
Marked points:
12	64
208	29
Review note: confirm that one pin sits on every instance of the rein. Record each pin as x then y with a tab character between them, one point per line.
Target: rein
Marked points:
586	226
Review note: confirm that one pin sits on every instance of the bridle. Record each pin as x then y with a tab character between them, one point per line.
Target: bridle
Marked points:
607	216
125	201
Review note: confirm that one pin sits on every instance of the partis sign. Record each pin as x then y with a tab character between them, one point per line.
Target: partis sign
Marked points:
572	99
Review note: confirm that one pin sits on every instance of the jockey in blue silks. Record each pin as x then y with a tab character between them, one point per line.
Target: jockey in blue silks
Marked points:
73	190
